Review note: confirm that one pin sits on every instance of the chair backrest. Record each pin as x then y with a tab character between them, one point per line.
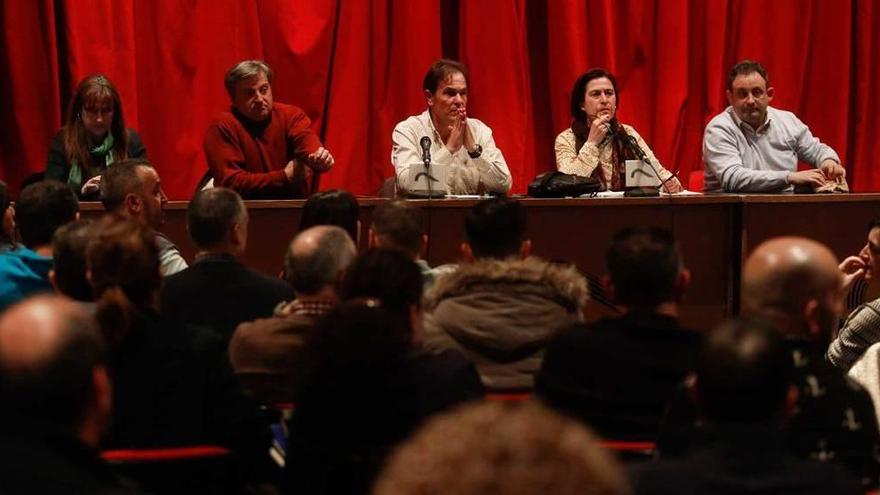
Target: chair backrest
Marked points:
388	189
196	469
631	452
695	181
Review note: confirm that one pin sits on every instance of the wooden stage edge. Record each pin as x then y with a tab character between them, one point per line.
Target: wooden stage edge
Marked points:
714	232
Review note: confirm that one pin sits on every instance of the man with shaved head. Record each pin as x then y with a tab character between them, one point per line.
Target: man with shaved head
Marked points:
132	189
56	400
264	353
796	283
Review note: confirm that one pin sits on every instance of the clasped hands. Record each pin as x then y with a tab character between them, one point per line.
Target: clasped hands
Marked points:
460	134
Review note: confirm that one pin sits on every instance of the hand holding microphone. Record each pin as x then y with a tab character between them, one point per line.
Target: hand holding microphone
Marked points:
600	128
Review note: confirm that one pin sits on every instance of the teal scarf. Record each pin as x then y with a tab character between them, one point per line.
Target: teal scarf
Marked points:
74	179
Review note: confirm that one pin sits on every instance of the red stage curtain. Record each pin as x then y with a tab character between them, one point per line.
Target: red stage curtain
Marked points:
356	68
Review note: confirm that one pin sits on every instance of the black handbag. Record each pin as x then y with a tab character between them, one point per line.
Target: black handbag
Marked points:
559	185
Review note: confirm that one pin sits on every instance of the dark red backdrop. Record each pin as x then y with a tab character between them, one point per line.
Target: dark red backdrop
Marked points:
356	67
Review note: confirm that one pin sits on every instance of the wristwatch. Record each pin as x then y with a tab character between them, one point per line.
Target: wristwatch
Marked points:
476	153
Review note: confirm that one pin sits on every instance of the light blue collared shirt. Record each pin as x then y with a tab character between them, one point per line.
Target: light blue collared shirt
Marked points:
738	158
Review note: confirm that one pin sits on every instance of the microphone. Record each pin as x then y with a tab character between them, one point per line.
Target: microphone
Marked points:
426	150
640	154
610	131
425	142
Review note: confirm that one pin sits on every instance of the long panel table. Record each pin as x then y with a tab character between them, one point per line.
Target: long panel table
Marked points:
715	233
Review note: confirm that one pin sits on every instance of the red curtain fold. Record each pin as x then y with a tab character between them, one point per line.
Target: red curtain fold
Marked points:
864	137
30	107
493	43
356	67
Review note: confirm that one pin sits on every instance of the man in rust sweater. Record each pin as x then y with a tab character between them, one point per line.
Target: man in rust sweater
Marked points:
262	149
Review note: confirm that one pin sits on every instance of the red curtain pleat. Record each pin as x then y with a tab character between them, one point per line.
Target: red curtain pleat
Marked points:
356	67
493	43
30	107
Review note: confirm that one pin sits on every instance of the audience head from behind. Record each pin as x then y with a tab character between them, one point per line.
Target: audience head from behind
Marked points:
317	260
333	207
491	447
391	278
645	270
132	188
68	274
7	223
386	275
41	209
52	369
397	225
217	222
123	266
743	372
361	333
495	228
796	283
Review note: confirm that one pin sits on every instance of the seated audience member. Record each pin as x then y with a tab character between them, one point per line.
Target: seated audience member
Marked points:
397	225
7	220
752	147
743	391
497	448
41	209
862	327
68	274
597	372
56	401
266	353
132	189
259	148
172	384
366	385
597	144
501	306
217	291
795	283
333	207
93	138
463	145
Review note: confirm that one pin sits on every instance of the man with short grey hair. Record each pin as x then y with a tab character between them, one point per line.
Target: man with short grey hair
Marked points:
259	148
265	352
218	291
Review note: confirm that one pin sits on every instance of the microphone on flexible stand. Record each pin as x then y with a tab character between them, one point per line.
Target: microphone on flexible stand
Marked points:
640	154
425	143
426	150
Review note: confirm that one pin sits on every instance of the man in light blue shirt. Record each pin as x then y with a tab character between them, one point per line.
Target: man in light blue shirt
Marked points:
41	209
752	147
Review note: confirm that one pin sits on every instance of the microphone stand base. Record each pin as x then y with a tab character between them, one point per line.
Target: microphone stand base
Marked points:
423	194
642	192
